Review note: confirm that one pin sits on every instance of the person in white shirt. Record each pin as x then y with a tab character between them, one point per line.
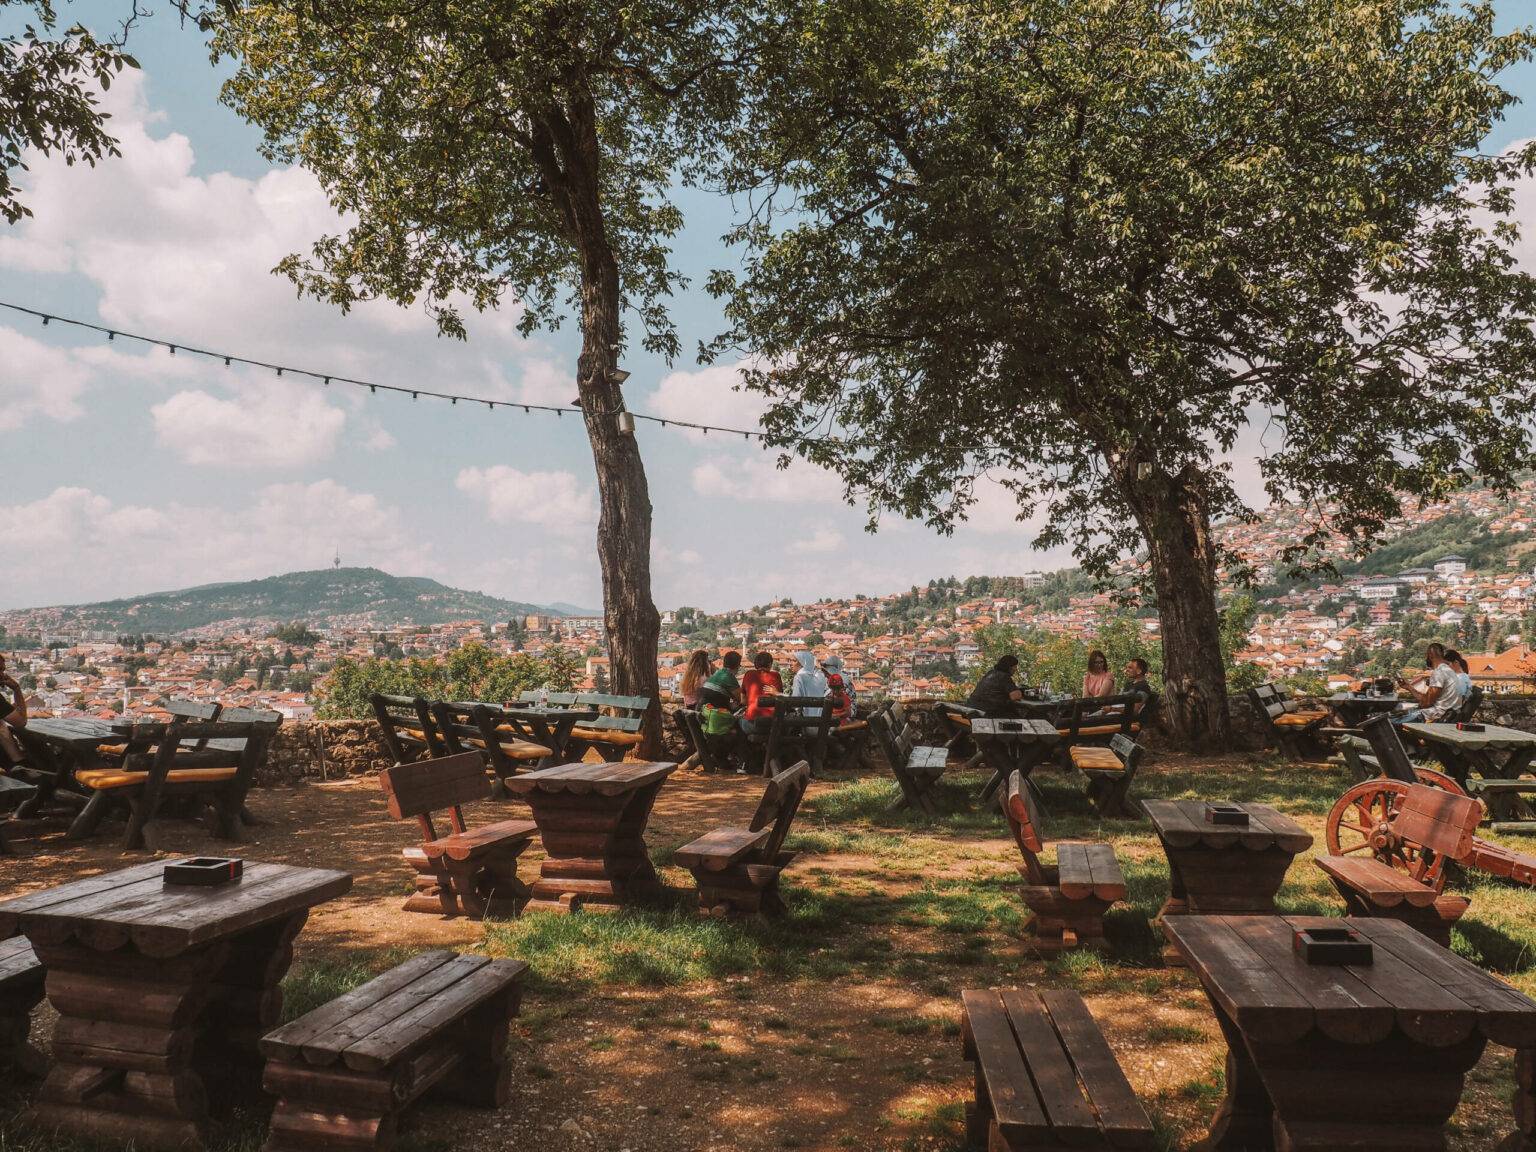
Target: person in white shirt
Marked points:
1442	693
809	681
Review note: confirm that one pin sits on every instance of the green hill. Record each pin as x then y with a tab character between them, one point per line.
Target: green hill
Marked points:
361	596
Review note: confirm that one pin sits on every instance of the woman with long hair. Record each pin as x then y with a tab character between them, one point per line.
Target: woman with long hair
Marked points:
1099	681
694	675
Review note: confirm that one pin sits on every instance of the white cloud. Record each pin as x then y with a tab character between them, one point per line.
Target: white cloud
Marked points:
557	501
759	478
37	380
824	539
145	549
707	396
273	426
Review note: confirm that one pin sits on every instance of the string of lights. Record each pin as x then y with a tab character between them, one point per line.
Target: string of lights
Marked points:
373	386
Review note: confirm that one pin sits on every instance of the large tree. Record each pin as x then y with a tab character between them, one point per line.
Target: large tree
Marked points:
1080	245
48	92
519	149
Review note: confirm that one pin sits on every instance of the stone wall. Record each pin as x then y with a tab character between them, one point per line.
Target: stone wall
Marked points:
324	749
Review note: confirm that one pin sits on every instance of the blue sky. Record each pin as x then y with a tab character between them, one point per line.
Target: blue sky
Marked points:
129	471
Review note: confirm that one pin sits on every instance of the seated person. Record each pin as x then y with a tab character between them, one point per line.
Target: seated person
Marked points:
1463	673
1441	695
809	681
759	686
995	693
12	716
839	688
694	675
1136	681
720	696
1099	680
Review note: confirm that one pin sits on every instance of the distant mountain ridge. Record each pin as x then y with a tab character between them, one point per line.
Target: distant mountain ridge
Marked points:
360	597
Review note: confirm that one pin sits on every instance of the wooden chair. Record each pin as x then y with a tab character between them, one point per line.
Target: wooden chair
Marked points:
1391	755
1070	898
112	754
1435	827
737	869
1109	772
166	769
801	729
849	737
955	722
1046	1078
710	751
407	727
917	768
616	733
21	990
463	873
1100	719
506	745
1288	724
344	1073
1467	713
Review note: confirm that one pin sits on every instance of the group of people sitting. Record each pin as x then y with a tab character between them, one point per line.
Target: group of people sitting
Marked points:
1445	690
731	702
998	694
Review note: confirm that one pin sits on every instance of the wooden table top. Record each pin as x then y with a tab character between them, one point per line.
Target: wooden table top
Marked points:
605	779
72	729
1014	731
135	904
1182	824
1249	967
1492	736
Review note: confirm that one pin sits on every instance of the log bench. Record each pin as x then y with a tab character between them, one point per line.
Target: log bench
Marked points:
470	873
737	869
1435	827
1109	772
345	1072
21	990
1045	1076
1292	727
1069	899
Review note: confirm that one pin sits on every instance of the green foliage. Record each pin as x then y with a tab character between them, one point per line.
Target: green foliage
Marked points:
471	672
47	94
296	632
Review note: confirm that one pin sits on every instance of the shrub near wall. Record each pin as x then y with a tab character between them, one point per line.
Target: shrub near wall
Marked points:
472	672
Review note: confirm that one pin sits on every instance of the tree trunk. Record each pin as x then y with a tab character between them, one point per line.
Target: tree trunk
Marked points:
1175	519
630	619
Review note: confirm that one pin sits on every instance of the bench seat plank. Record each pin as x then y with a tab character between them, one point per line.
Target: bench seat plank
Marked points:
1378	882
720	848
474	983
1000	1065
1121	1117
468	845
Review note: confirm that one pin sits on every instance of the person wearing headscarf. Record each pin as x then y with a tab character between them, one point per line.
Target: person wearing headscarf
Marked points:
809	681
839	687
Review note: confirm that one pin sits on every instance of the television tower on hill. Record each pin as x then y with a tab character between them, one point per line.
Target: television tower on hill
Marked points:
336	560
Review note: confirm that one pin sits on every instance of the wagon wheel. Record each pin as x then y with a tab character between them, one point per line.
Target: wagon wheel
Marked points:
1360	823
1439	780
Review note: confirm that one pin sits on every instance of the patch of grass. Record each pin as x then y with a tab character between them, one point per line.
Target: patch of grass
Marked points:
1174	1034
315	982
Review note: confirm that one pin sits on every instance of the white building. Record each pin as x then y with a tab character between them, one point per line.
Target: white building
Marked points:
1448	566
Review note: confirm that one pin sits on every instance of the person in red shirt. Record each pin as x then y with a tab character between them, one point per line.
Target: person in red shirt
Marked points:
757	686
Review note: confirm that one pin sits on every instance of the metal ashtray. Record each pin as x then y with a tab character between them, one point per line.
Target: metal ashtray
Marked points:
1332	946
204	870
1219	812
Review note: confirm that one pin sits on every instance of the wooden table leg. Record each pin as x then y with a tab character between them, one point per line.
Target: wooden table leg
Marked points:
1523	1139
596	849
1244	1120
1392	1096
141	1039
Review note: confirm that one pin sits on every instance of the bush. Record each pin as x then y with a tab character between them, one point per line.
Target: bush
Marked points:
472	672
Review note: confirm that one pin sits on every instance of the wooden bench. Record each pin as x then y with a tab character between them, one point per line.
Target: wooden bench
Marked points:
1046	1078
618	731
13	794
710	751
344	1073
737	869
1069	899
1435	827
21	990
470	873
506	744
801	729
210	763
1287	723
1109	772
1101	718
407	726
917	768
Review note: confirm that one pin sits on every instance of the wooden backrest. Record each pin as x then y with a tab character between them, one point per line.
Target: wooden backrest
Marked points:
398	714
193	709
1125	748
794	725
1388	746
1266	701
882	723
1441	821
1086	709
1468	710
781	800
425	786
631	706
553	699
1024	822
186	745
252	716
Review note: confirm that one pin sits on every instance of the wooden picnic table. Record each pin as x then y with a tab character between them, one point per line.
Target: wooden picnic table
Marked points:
55	749
162	992
550	726
1367	1057
1488	763
1224	868
591	820
1354	707
1009	746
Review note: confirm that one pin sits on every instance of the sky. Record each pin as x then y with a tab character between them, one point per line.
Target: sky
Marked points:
129	470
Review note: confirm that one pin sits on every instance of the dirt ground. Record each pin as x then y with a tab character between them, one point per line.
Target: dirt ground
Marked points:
857	1048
